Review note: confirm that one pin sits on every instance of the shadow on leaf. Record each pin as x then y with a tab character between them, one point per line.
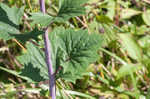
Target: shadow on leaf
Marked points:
32	73
4	18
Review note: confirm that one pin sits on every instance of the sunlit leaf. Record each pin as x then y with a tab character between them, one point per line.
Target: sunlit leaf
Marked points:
123	96
111	9
130	45
145	41
146	17
128	13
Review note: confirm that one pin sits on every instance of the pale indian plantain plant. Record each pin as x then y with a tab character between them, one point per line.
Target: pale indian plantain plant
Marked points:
69	49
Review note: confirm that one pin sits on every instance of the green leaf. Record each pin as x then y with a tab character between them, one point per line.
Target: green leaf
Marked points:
10	18
129	44
34	64
94	26
128	13
27	36
14	14
70	8
6	29
146	17
40	18
141	30
122	96
128	69
72	50
109	34
111	9
9	21
70	77
78	49
145	41
103	19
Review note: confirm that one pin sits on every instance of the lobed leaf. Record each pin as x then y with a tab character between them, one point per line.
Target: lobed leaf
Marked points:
72	50
78	49
10	18
7	26
70	8
14	14
34	64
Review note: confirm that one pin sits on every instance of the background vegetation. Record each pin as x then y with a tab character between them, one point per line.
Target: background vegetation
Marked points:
122	70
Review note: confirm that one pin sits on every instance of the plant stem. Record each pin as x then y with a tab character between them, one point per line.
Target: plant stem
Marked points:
48	57
42	5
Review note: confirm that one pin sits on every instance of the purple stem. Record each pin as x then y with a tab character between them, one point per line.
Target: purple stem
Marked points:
47	43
